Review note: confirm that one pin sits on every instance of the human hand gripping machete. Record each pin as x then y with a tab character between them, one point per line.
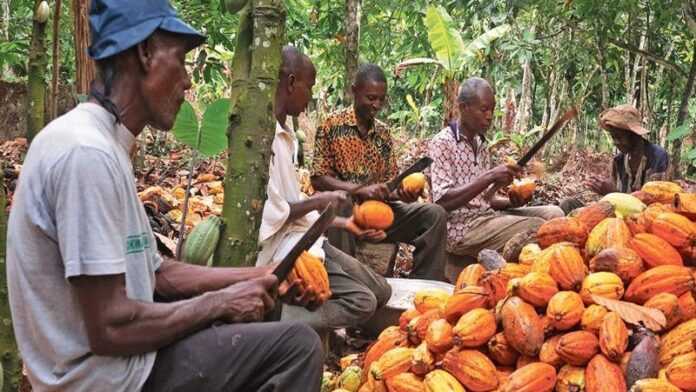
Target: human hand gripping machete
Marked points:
306	241
395	182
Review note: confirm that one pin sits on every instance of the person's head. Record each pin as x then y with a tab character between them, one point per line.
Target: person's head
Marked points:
369	91
476	103
624	125
297	78
141	47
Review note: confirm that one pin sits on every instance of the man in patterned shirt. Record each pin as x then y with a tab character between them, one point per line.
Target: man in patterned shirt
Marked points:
353	148
465	185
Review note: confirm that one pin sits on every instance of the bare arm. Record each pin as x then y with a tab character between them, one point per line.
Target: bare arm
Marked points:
119	326
176	280
458	197
329	183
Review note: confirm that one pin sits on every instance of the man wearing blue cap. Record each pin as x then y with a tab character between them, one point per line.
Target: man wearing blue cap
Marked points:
83	270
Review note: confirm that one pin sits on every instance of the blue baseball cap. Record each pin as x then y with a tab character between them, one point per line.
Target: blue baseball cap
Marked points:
117	25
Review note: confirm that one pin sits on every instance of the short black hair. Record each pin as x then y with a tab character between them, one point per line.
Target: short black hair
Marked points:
293	61
470	89
369	73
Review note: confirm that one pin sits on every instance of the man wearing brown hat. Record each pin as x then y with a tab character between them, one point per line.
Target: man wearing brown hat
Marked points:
638	161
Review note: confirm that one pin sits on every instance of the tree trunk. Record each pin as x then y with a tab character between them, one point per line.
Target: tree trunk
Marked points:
84	65
682	117
525	104
53	104
36	80
352	52
255	70
9	356
6	19
451	112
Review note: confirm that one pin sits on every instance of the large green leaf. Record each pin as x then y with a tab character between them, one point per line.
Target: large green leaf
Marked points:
679	132
482	42
186	126
213	138
444	38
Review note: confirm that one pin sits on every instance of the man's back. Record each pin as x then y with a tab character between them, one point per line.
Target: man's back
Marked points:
76	213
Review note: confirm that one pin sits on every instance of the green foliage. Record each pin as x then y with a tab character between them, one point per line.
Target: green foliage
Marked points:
445	40
210	137
679	132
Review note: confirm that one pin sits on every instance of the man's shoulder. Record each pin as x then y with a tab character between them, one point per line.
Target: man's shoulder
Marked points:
76	128
339	118
444	136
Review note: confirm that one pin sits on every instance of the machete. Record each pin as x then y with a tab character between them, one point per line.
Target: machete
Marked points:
570	114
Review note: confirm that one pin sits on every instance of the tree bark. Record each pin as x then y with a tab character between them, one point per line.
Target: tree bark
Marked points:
55	53
255	67
9	355
682	117
36	80
451	112
84	65
525	104
352	49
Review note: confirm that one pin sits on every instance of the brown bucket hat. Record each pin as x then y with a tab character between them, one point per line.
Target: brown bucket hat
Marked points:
624	117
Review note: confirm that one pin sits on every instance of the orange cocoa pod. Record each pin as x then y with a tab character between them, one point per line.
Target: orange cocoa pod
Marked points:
418	327
601	375
472	368
637	223
567	266
565	310
535	377
668	304
676	229
570	379
603	284
390	338
655	251
430	299
405	382
501	352
514	270
594	213
609	233
522	326
535	288
441	381
548	352
678	341
406	317
624	262
654	385
613	337
474	328
464	300
422	361
564	229
439	336
681	372
392	363
662	191
495	282
524	360
592	318
662	279
685	204
469	276
373	214
528	254
687	306
577	348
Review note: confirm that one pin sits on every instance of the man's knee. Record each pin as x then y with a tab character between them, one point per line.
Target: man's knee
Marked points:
435	213
382	292
534	223
303	341
551	212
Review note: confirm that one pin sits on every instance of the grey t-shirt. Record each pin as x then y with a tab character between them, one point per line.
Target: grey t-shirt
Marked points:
76	212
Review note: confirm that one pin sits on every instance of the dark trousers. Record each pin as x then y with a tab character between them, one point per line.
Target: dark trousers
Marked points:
263	357
423	225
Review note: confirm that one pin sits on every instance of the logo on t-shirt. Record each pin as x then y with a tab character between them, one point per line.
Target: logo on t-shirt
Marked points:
137	243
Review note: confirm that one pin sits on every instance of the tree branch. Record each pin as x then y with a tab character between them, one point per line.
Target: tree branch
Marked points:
648	55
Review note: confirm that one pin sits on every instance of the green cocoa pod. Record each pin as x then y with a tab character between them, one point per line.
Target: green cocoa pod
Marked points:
202	240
